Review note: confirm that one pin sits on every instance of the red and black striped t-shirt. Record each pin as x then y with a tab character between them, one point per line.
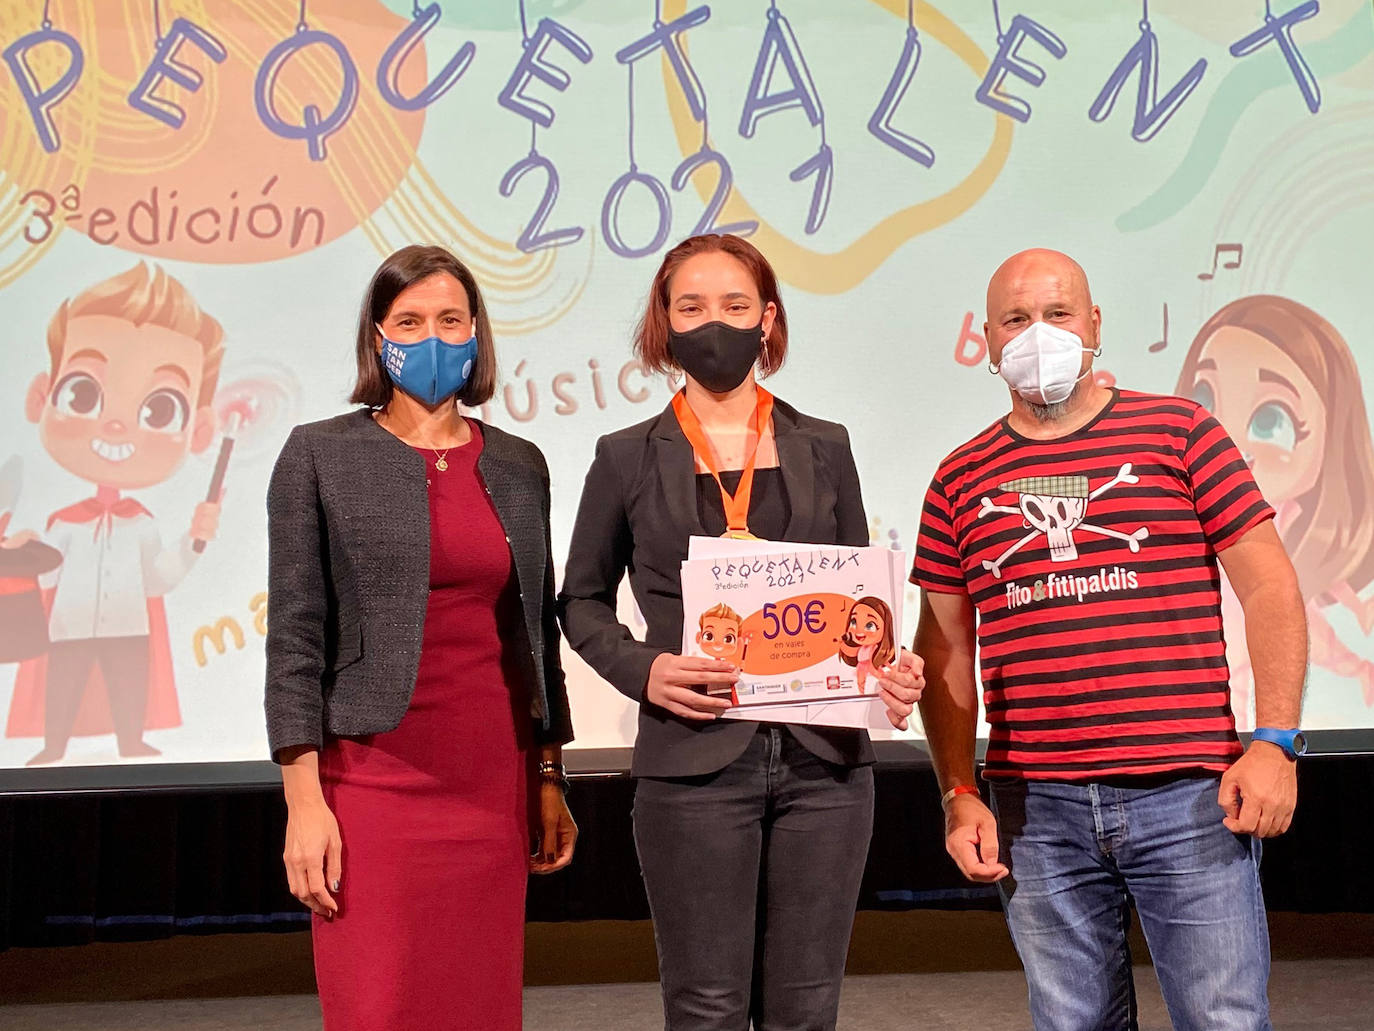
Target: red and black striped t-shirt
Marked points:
1091	560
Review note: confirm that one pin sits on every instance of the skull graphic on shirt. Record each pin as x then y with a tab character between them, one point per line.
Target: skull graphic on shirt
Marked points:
1056	506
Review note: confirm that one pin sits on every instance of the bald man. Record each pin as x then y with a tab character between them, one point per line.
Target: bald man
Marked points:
1084	530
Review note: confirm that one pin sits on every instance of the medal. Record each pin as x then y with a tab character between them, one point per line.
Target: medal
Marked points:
737	505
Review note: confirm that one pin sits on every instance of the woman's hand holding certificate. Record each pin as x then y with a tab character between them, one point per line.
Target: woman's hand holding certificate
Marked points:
900	687
676	683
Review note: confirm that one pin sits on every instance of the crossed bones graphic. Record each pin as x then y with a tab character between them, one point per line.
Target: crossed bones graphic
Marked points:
1058	526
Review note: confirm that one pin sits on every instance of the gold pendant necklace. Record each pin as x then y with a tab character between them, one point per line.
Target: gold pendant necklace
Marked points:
440	461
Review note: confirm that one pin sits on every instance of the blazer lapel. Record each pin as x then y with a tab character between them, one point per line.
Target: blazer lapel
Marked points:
511	499
394	470
397	451
513	490
677	467
798	467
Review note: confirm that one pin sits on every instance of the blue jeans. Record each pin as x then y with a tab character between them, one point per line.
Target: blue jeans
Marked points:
1079	853
753	874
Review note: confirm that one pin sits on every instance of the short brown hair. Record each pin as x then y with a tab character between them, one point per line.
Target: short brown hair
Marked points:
401	270
145	298
720	611
651	335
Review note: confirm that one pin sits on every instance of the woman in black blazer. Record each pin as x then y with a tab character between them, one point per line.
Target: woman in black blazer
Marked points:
415	698
751	837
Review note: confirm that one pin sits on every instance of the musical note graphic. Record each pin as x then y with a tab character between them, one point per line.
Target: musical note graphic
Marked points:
1163	342
1223	248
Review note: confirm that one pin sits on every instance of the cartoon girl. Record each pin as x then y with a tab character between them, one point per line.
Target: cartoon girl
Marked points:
1283	383
867	644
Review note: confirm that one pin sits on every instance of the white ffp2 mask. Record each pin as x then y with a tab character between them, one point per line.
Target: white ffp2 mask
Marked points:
1041	363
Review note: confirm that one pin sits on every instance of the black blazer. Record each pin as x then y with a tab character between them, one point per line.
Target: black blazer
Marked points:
348	579
639	506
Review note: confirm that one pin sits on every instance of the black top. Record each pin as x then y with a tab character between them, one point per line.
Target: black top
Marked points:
640	504
768	507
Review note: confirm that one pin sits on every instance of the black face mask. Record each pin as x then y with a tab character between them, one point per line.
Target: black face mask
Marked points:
717	356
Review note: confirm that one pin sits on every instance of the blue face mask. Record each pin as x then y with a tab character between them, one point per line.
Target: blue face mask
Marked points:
429	370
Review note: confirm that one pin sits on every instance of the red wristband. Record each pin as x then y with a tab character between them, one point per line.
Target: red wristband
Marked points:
954	792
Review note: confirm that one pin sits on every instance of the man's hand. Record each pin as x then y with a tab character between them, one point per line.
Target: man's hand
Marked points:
1260	791
971	839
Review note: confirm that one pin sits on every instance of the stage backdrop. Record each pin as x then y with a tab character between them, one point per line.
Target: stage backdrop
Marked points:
253	160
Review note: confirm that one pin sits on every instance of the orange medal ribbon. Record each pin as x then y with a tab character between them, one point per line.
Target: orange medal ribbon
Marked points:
736	505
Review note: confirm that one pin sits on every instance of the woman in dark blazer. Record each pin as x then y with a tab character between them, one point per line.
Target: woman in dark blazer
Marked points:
751	837
415	698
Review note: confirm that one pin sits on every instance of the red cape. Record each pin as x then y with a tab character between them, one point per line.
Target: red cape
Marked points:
93	718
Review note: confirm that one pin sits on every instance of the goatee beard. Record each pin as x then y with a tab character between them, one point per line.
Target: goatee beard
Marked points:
1051	413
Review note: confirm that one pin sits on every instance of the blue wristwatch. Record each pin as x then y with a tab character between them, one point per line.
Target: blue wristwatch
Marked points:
1293	742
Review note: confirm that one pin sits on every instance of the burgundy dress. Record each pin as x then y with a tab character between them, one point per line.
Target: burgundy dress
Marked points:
430	929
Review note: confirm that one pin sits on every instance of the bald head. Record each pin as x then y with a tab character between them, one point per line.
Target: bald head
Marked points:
1039	286
1036	268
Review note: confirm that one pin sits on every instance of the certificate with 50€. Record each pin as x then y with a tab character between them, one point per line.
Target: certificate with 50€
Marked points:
807	624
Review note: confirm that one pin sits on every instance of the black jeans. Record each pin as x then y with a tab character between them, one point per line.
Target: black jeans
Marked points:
753	874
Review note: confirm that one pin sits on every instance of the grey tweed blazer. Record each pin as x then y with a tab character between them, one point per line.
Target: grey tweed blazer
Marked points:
348	579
